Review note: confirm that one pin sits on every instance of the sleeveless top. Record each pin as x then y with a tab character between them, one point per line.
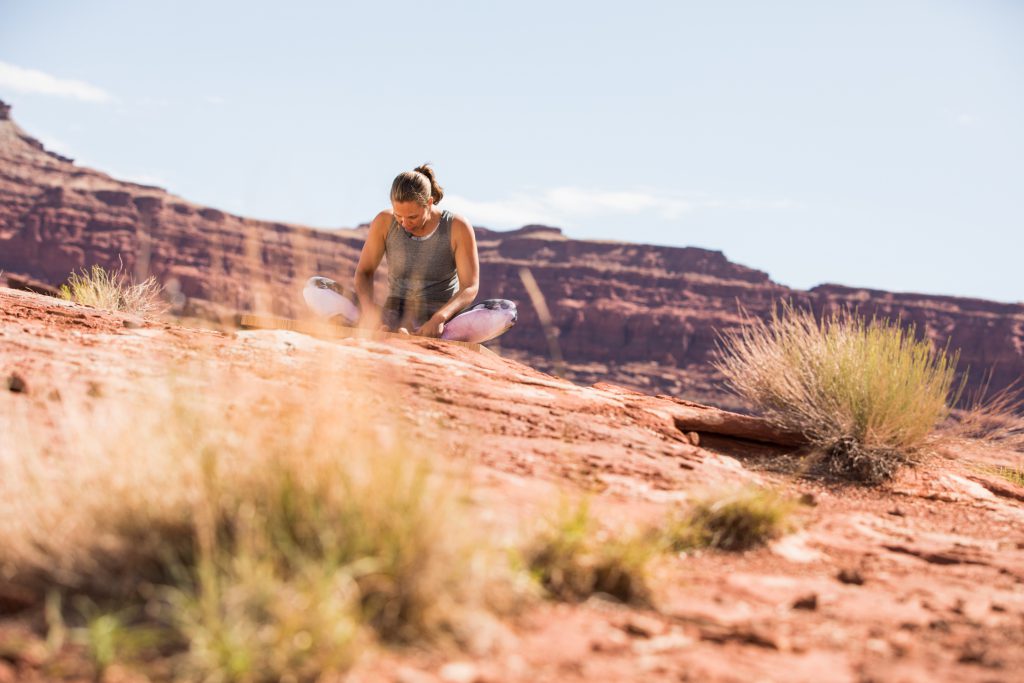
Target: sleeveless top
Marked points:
422	271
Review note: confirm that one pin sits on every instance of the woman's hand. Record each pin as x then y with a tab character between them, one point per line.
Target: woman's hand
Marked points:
432	328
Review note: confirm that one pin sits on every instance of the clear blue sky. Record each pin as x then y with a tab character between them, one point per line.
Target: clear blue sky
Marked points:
875	144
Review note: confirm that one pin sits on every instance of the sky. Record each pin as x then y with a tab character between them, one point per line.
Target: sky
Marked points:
873	144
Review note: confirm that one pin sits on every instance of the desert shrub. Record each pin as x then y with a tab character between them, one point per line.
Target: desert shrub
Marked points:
995	419
867	393
1014	475
733	520
269	532
572	558
112	291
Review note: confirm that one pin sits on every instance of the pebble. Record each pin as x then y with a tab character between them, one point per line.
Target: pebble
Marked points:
807	602
851	576
643	626
16	384
665	643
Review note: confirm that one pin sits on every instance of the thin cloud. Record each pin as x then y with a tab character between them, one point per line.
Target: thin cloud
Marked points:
40	83
517	211
578	201
567	206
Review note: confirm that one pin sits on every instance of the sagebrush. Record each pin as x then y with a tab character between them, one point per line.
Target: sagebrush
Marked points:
112	290
868	393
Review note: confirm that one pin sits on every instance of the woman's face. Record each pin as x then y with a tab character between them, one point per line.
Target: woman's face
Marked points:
412	216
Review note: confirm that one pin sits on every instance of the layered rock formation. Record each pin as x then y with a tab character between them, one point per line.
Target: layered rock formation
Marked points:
639	315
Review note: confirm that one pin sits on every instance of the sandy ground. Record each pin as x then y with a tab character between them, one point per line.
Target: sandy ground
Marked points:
919	580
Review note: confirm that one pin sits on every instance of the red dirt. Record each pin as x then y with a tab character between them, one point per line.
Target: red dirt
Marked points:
922	579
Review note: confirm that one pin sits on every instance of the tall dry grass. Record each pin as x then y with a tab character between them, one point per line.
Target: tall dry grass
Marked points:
266	530
994	419
867	393
111	290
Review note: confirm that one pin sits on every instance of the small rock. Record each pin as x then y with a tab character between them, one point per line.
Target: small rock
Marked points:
665	643
877	647
973	653
808	499
902	643
851	576
132	324
613	641
460	672
808	602
975	610
16	384
896	512
694	438
643	626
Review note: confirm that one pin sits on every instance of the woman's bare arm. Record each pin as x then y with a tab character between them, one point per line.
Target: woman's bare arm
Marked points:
369	261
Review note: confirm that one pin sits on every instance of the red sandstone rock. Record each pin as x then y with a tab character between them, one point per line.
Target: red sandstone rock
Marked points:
634	314
931	594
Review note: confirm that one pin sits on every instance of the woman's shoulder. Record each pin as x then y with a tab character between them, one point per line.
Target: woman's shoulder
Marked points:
383	220
458	221
461	231
381	225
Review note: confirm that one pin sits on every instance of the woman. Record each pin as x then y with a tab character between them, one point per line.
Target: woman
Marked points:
433	271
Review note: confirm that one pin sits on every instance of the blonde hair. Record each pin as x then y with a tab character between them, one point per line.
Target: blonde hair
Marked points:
417	185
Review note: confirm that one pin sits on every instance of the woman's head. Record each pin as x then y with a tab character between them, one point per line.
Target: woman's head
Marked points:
418	185
413	195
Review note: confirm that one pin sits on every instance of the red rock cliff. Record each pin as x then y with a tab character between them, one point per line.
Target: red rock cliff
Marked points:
639	315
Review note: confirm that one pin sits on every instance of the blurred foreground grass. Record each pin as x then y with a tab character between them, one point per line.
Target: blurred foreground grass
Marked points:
218	523
260	529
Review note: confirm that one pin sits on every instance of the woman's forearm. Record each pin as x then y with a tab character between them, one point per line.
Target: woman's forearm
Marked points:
461	300
368	308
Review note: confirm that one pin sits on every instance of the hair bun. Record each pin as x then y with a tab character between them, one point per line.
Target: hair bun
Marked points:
436	191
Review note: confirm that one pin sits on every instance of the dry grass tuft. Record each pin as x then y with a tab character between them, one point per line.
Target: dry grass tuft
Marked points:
111	291
735	520
574	559
868	394
996	420
274	532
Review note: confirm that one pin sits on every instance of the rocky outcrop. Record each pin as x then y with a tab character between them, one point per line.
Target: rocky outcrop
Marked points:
644	316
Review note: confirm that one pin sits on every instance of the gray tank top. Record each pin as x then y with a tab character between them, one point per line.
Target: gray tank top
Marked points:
422	270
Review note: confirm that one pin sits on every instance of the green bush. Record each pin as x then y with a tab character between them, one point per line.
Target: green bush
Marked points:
736	520
867	393
574	559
